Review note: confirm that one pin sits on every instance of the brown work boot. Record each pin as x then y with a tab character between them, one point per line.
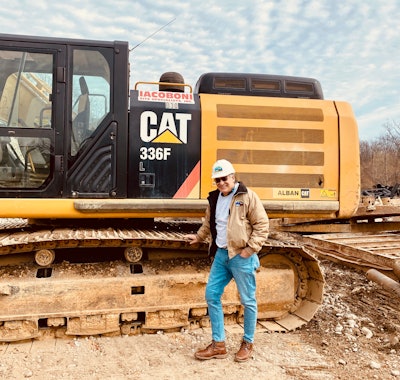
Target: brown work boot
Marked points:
245	351
215	350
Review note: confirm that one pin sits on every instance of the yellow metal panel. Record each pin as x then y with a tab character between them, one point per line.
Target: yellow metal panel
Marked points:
275	144
37	208
100	208
349	161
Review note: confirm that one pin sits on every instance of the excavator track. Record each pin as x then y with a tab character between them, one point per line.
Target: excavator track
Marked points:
148	280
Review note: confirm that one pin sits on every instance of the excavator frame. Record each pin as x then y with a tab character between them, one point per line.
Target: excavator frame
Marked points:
99	186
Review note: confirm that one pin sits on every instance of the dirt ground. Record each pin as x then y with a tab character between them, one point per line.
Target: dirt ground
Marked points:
354	335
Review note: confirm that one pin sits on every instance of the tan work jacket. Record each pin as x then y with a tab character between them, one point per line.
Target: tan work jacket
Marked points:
248	224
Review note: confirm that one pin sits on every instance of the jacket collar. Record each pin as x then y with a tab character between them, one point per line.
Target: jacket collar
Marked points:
215	193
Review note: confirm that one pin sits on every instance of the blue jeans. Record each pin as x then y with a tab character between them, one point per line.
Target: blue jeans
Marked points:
243	271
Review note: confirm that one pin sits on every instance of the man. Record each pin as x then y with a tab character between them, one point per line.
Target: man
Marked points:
238	224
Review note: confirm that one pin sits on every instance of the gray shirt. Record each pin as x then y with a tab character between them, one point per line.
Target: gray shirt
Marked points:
222	215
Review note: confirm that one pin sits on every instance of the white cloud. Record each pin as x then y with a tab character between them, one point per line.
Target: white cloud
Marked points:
372	124
352	47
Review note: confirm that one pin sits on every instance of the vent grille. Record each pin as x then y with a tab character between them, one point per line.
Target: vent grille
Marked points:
286	135
267	156
269	113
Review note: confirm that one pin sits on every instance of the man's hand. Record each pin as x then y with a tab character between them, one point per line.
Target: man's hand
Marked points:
246	252
193	239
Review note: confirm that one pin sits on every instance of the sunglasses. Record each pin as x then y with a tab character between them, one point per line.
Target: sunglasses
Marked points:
223	179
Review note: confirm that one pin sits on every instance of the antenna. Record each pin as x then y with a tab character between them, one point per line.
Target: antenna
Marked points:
151	35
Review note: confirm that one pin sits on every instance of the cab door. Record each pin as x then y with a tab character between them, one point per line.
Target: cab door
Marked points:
97	112
32	94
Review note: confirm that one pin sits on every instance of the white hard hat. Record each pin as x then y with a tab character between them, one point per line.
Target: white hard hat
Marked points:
222	168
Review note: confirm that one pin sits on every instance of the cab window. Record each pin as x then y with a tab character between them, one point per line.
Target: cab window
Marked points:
90	96
26	84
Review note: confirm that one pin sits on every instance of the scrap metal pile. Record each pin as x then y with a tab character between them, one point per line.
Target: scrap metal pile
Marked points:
369	241
382	191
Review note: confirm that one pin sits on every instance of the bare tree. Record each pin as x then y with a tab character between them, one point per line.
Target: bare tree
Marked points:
380	158
393	131
366	164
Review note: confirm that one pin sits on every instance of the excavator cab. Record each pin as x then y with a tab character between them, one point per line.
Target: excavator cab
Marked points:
59	112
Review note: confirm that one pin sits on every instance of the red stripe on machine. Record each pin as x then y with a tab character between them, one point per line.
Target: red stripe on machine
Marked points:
190	182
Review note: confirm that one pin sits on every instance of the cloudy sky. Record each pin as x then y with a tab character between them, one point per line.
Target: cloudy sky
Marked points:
352	47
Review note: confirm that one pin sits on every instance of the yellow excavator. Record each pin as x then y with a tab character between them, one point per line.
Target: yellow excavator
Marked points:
99	185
